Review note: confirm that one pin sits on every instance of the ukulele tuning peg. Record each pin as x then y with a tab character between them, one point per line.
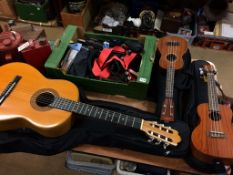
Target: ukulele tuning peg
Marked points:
201	72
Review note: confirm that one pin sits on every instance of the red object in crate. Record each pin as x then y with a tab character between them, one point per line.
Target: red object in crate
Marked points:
37	53
9	42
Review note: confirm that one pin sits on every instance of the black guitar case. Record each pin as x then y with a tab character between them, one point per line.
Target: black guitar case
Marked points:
85	131
198	94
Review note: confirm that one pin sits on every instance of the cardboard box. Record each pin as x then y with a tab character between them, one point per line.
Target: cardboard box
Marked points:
7	9
135	89
81	19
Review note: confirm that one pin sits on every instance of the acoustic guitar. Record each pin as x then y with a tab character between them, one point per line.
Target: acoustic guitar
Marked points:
172	49
212	139
30	100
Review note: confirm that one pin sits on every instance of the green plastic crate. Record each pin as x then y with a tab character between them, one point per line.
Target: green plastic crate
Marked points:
33	11
135	89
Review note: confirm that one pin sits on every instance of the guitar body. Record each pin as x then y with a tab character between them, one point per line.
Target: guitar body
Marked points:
172	49
207	147
19	109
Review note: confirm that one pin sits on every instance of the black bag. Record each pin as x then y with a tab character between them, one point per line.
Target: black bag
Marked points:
96	132
182	84
198	94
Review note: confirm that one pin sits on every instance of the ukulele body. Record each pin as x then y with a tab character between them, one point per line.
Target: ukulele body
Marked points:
172	50
209	146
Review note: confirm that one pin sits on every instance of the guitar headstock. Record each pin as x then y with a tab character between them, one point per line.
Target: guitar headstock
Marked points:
158	133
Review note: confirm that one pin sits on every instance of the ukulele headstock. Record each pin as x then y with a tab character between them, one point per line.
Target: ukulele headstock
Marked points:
208	68
158	133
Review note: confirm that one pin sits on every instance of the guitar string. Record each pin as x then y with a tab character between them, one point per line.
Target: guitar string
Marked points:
47	100
64	102
105	111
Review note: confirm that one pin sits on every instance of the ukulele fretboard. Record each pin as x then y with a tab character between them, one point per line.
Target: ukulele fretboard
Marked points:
212	93
170	82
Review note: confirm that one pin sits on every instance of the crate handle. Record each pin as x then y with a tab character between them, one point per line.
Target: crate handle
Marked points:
57	42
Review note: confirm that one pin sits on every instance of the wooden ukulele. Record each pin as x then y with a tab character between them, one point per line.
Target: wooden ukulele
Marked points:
28	99
212	139
172	49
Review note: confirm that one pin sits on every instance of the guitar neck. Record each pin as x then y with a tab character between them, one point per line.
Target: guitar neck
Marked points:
170	82
96	112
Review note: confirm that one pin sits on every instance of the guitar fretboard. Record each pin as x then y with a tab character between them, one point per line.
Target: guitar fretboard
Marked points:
96	112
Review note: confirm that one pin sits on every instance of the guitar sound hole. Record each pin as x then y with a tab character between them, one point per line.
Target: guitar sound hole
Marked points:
215	116
44	99
171	57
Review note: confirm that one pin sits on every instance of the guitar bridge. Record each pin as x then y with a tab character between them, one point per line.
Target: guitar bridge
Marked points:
216	134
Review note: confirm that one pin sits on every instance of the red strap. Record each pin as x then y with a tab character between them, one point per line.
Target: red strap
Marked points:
98	72
101	64
128	59
104	55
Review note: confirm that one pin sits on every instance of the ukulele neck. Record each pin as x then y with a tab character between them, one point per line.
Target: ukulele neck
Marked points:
170	82
96	112
212	93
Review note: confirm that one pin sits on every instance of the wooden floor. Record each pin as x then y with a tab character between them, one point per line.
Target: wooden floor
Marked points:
28	164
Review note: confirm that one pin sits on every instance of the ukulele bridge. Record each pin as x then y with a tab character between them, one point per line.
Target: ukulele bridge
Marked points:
9	88
216	134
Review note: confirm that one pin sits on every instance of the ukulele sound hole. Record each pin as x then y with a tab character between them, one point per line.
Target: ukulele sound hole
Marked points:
171	57
44	99
215	116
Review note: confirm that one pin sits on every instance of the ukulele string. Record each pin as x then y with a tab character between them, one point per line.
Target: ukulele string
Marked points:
215	104
210	115
211	99
168	91
171	76
214	100
219	127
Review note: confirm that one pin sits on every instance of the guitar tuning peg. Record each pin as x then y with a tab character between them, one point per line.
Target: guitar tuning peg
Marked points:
157	142
150	140
165	145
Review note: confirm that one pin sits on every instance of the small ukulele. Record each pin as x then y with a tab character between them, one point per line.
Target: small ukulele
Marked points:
212	139
172	49
27	99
